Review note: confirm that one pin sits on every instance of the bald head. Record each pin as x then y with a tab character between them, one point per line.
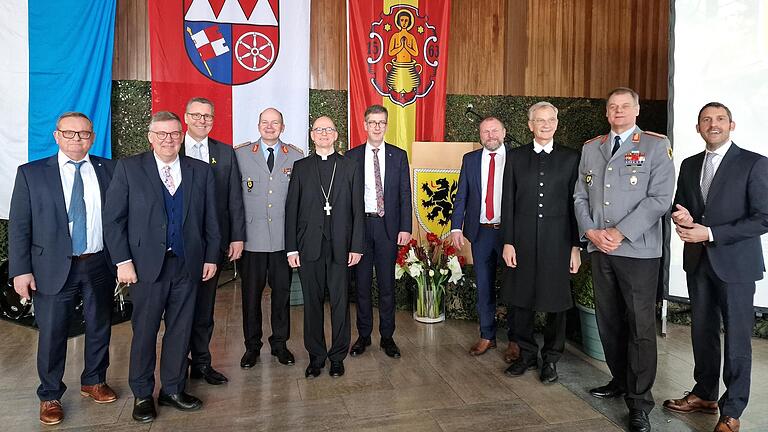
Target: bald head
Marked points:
271	126
324	135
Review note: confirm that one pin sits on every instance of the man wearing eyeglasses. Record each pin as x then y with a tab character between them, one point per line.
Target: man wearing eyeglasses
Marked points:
229	209
57	255
266	167
387	201
324	231
162	230
625	186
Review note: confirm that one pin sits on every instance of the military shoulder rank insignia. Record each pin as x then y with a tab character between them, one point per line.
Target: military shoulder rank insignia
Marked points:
654	134
599	137
237	146
634	158
635	137
298	150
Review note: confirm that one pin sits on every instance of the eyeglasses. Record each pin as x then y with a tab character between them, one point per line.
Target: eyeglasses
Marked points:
68	134
163	135
324	130
373	123
542	122
198	116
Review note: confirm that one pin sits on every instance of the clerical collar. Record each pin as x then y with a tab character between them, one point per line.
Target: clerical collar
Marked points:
324	157
546	148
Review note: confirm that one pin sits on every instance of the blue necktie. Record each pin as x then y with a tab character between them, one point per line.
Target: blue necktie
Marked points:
616	144
271	159
76	212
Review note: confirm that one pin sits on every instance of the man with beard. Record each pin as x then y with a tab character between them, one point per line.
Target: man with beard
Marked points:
477	216
541	240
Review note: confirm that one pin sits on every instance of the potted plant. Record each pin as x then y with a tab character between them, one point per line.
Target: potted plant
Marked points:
433	266
584	297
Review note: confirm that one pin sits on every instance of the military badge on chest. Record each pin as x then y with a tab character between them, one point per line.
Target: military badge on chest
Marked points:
588	178
249	184
287	172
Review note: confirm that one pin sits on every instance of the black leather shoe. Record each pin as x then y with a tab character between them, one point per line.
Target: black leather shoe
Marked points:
359	346
144	410
519	366
638	421
312	371
607	391
548	373
390	347
211	375
337	369
249	359
284	356
181	401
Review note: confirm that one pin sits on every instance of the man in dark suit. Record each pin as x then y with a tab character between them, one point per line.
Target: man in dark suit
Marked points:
541	240
477	216
161	228
229	209
56	255
324	232
387	201
721	210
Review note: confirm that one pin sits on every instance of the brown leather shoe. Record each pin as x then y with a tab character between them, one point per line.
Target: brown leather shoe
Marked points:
51	412
101	393
727	424
482	346
690	403
512	352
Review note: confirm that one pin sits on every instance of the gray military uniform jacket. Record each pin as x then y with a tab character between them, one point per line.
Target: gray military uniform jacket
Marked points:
630	191
264	194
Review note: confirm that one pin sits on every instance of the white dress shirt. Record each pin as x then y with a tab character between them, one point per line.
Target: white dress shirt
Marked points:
175	170
189	148
91	195
716	159
546	148
497	183
370	179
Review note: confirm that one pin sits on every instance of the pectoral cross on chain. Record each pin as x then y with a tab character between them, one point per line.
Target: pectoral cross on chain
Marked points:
327	208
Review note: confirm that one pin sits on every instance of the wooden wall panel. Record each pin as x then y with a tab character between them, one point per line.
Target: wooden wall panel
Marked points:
569	48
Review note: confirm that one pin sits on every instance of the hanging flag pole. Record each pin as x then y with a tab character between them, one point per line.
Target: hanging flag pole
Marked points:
189	30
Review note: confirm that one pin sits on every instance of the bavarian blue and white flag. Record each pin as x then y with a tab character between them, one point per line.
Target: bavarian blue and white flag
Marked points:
56	57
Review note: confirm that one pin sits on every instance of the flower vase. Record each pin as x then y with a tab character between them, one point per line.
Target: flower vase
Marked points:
429	301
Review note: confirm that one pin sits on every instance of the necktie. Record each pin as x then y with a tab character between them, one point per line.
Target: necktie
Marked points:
379	186
271	158
707	175
76	212
616	144
168	180
197	150
489	189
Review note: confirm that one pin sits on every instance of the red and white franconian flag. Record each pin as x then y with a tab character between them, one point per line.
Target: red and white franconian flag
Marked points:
210	43
244	55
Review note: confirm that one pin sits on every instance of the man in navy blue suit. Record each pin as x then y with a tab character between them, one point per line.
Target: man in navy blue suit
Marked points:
162	230
477	216
721	210
57	255
387	224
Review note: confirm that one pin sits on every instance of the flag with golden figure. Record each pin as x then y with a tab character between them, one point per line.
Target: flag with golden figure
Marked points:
434	191
398	53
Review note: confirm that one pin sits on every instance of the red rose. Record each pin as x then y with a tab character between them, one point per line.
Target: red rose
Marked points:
432	238
450	250
462	261
413	242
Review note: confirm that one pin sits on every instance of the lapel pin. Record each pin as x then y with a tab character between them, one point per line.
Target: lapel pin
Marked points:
249	184
213	161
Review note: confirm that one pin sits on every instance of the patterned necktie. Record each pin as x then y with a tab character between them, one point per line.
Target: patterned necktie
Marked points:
489	189
168	180
379	186
707	175
271	158
616	144
76	212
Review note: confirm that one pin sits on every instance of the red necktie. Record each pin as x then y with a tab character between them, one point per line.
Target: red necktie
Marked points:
489	189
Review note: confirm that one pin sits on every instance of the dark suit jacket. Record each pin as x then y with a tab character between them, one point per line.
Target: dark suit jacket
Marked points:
304	214
229	194
135	221
737	213
397	188
466	205
38	227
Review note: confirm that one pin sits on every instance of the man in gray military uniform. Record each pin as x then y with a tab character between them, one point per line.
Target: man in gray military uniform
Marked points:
625	186
265	168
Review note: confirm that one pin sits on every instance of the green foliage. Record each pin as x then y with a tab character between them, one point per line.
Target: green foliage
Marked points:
333	104
581	286
131	111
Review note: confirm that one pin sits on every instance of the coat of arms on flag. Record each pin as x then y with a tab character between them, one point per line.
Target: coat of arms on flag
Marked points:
407	46
232	42
433	193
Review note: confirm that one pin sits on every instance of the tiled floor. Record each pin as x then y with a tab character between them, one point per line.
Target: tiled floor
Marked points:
435	386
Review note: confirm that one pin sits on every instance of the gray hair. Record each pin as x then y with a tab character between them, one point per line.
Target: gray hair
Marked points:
71	114
540	105
162	116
